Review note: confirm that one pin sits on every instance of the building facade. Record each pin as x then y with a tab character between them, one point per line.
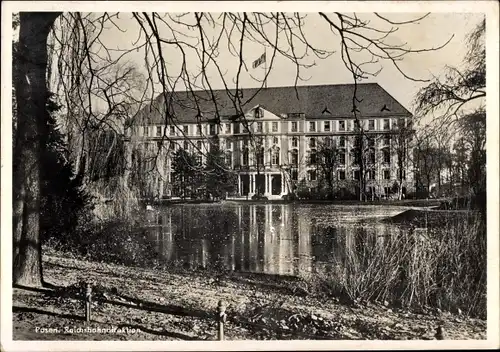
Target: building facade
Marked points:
280	140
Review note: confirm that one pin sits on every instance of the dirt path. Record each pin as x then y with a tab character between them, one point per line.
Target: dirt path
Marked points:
152	305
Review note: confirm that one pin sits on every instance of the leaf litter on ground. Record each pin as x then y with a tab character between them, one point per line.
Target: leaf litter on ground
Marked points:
163	305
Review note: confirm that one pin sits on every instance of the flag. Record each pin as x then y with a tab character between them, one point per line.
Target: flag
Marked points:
259	61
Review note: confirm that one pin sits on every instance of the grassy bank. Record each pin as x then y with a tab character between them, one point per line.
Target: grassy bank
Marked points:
180	304
439	266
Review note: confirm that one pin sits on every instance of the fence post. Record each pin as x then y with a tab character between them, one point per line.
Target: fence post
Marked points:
88	301
221	317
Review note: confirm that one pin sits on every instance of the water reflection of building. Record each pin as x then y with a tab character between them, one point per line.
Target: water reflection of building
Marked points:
274	239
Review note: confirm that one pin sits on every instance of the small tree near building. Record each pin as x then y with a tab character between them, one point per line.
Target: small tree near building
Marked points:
218	177
186	172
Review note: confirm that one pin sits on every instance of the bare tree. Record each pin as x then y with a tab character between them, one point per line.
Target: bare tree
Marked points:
458	89
457	101
197	37
401	143
328	159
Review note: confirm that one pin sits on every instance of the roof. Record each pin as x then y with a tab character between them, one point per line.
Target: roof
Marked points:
315	101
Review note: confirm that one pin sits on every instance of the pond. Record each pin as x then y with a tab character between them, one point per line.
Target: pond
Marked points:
279	239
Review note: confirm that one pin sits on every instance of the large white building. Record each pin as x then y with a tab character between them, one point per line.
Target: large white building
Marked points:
273	143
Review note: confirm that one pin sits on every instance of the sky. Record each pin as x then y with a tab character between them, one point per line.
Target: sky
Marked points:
433	31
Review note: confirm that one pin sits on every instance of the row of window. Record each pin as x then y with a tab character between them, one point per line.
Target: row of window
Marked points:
259	157
294	157
341	155
313	142
267	127
341	175
294	154
183	130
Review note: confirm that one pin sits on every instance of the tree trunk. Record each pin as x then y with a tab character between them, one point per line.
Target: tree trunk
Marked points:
31	95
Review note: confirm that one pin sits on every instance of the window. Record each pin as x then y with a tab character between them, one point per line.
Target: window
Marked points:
342	142
275	127
146	131
370	141
341	174
214	146
212	129
371	156
172	130
158	131
402	174
275	140
371	174
198	145
229	158
259	127
185	129
295	157
341	125
260	156
355	175
236	127
342	158
327	126
295	142
257	113
387	124
312	175
328	141
275	158
227	128
294	126
198	130
387	174
245	157
387	191
312	143
228	144
371	125
313	157
387	140
387	155
186	145
295	174
312	126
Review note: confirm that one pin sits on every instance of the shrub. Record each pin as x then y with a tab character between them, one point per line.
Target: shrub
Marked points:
259	197
117	241
289	197
434	268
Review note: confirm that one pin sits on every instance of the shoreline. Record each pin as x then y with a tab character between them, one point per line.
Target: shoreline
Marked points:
421	203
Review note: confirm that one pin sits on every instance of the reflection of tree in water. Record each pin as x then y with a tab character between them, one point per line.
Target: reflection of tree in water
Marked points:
244	238
325	243
203	231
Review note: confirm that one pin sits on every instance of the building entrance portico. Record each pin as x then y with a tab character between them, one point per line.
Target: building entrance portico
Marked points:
266	183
